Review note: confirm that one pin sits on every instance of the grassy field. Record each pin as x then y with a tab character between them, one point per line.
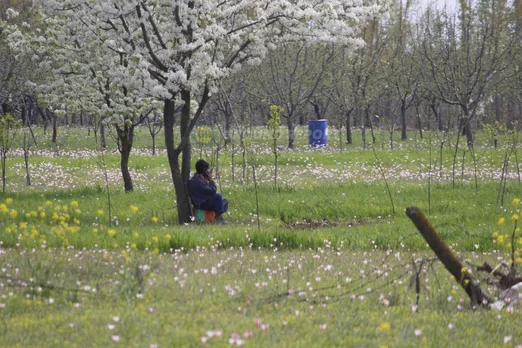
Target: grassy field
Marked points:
329	232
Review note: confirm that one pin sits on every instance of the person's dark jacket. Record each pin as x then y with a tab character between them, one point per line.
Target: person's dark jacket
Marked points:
201	190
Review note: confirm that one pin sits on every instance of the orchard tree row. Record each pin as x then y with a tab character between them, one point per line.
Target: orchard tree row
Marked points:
372	64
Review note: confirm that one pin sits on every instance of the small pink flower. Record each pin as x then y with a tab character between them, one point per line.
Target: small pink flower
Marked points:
115	338
258	323
264	327
248	334
322	327
418	332
507	339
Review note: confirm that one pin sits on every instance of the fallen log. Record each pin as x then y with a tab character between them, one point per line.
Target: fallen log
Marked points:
448	258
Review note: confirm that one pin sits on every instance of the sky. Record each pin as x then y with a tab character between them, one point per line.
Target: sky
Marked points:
451	5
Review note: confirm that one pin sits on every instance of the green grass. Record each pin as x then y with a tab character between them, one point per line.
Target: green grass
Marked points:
177	298
329	218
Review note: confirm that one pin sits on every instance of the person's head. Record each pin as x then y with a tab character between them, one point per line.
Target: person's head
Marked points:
201	166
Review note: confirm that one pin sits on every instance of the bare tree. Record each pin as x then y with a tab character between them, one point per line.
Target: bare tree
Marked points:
290	78
463	61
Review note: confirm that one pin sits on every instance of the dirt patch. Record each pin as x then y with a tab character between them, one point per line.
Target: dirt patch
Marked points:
314	225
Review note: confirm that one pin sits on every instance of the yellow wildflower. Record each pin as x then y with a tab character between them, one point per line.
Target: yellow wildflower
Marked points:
133	246
136	234
3	208
385	327
100	212
134	208
519	260
13	213
23	225
516	201
501	221
155	239
42	214
514	217
111	232
74	204
168	236
155	219
495	234
9	200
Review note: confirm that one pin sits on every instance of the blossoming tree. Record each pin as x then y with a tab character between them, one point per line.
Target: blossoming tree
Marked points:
177	51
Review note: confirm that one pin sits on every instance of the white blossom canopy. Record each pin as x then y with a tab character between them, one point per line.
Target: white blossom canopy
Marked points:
139	49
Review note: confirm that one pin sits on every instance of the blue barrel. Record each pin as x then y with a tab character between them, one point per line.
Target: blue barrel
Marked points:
318	132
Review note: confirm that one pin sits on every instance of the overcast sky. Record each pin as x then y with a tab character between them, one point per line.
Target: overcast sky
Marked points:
451	5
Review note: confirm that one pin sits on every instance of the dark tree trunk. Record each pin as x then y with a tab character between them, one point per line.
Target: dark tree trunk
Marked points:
419	123
302	119
466	129
291	133
126	139
55	127
435	108
3	160
103	138
153	144
176	170
403	120
498	108
24	116
348	126
317	110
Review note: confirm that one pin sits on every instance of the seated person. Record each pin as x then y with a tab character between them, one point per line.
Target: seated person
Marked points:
202	189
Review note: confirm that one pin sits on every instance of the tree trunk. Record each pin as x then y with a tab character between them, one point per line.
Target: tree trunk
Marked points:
291	133
26	160
103	138
466	129
183	202
126	138
55	126
153	144
348	126
23	114
302	119
3	159
435	108
419	123
403	120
